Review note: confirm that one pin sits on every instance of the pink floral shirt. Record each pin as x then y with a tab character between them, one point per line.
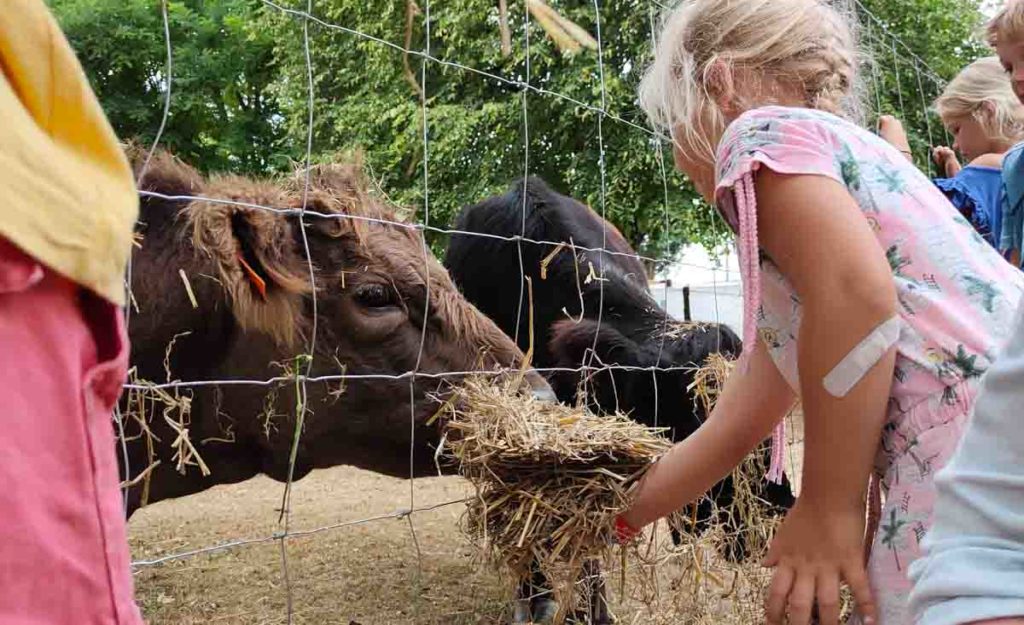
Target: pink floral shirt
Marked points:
957	296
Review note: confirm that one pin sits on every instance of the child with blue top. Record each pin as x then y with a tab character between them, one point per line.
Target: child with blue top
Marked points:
981	111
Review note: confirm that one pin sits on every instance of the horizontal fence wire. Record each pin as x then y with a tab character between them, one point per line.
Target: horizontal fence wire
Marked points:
341	377
290	534
419	227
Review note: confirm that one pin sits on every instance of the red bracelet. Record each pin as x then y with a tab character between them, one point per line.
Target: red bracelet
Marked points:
624	532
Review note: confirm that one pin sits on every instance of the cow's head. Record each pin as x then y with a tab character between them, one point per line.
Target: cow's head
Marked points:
373	277
640	361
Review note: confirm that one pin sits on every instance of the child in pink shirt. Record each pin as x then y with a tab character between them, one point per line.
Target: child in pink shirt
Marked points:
868	297
69	205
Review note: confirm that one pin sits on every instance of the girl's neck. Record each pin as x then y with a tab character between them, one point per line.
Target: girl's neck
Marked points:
992	159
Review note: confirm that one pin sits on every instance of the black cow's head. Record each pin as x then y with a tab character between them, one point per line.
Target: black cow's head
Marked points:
641	369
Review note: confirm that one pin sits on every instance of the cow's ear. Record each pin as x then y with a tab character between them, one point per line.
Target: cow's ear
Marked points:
571	343
258	255
692	342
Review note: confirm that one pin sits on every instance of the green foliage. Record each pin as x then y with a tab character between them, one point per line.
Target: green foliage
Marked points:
477	139
240	96
944	34
222	115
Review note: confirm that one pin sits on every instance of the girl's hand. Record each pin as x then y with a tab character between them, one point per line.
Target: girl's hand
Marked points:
815	549
946	160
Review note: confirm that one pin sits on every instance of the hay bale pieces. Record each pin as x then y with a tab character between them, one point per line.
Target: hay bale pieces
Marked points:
549	478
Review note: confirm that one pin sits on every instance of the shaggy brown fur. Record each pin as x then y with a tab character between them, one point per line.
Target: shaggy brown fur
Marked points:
225	232
357	246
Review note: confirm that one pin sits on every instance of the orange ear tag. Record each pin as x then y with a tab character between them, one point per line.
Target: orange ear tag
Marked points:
259	283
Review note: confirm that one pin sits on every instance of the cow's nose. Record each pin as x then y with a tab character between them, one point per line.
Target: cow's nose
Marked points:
545	395
540	388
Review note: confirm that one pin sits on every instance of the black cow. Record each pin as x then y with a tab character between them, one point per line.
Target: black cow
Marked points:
592	309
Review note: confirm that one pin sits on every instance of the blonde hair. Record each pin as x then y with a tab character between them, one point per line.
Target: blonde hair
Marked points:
1008	24
806	43
984	81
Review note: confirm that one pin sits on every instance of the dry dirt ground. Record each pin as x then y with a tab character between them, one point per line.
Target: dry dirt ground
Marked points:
370	573
365	573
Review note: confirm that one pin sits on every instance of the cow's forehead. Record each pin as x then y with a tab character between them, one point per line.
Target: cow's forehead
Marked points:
399	252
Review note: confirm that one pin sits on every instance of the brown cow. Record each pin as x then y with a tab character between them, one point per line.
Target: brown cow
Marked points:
244	311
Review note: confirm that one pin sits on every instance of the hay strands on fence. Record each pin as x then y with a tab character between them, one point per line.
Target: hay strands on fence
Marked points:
567	35
549	478
145	399
708	379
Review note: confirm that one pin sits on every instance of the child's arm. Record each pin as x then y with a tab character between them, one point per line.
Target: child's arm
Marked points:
751	404
891	129
817	236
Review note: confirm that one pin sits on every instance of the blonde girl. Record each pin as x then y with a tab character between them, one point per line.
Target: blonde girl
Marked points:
868	298
983	115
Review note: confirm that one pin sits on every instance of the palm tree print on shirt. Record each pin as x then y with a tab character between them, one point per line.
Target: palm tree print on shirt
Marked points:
966	363
891	179
982	291
897	262
890	535
849	169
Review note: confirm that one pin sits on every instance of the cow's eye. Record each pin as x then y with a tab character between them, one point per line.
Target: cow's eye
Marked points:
375	296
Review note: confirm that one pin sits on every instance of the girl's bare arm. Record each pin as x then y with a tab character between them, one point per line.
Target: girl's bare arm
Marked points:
818	237
891	129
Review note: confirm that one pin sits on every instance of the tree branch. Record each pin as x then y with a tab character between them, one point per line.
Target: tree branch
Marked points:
506	33
411	11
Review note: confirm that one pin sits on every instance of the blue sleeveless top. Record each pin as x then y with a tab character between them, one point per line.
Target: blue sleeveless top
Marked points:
976	192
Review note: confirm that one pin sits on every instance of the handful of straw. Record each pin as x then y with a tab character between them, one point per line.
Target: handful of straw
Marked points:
549	478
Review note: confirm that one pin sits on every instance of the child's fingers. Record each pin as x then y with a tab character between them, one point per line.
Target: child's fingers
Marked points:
778	594
857	579
828	598
801	598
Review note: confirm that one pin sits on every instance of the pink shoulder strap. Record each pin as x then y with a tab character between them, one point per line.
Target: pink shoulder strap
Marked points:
750	271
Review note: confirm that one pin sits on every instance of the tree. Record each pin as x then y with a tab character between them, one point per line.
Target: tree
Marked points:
222	115
477	126
241	95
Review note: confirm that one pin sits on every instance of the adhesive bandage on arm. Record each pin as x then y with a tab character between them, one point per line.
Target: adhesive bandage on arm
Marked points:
856	364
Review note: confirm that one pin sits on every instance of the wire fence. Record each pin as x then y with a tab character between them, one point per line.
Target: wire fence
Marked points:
309	364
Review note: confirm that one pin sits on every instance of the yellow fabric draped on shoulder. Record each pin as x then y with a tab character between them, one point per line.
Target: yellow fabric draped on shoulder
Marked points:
67	195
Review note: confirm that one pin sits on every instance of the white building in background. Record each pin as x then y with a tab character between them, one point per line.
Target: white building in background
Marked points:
716	293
